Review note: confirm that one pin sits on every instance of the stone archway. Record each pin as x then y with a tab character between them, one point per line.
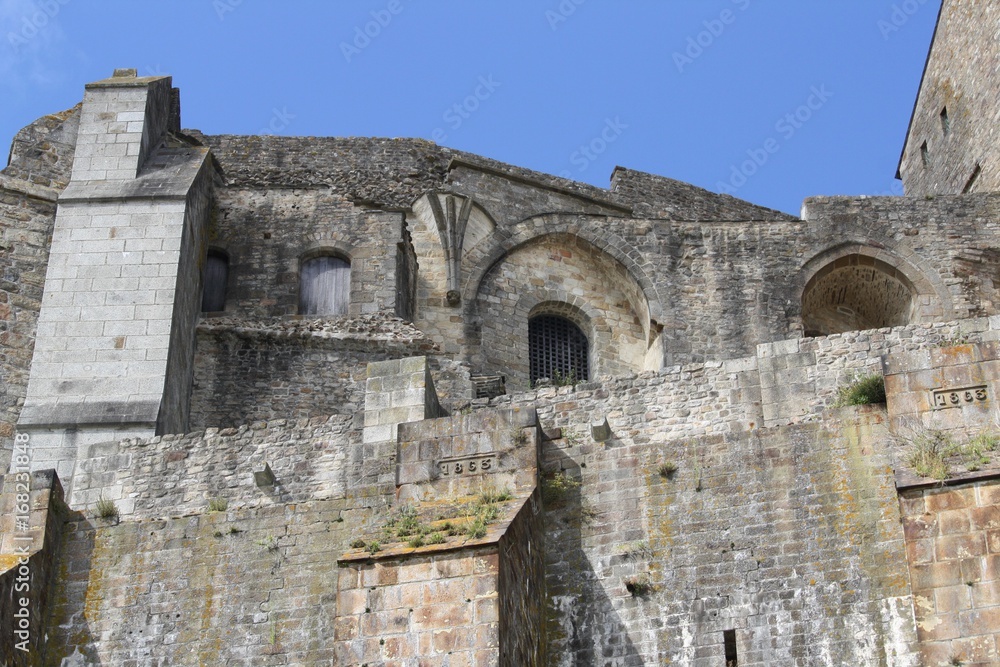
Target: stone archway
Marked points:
855	287
566	275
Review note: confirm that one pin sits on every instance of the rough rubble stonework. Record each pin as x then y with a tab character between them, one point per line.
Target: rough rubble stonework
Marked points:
388	486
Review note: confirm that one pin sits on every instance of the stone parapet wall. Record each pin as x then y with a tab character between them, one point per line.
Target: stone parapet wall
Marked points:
289	369
788	536
800	377
283	368
790	381
173	475
207	588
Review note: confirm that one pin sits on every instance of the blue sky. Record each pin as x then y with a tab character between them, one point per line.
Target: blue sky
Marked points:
770	100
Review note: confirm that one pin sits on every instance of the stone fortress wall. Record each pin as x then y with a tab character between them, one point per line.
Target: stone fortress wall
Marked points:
951	144
714	565
698	499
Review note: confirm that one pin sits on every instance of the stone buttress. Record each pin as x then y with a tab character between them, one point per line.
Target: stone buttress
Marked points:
113	356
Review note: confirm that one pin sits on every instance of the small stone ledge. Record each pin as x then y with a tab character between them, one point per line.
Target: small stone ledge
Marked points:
132	413
383	330
29	189
494	533
168	176
907	480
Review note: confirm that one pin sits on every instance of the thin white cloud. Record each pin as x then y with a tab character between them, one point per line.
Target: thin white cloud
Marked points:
31	39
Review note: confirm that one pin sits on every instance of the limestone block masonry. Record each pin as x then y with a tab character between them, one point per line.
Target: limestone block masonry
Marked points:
115	333
260	486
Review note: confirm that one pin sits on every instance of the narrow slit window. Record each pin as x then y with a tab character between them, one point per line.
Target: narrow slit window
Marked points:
729	640
557	349
945	121
971	183
925	154
216	277
325	287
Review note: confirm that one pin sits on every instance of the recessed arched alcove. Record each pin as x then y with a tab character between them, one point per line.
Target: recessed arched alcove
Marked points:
856	292
565	276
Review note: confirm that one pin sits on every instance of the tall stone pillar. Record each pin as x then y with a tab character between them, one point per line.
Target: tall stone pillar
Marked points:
115	342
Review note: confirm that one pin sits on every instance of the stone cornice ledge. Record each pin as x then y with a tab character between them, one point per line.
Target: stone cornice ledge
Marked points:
30	189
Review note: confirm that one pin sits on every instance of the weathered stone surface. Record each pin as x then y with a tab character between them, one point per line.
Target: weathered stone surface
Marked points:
695	495
952	546
31	531
952	142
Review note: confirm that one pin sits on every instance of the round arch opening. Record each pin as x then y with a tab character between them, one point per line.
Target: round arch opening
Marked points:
856	292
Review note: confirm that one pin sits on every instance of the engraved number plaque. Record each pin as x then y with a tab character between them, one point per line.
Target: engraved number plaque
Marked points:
469	465
953	398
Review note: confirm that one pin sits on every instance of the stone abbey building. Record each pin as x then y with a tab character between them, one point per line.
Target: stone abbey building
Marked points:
341	401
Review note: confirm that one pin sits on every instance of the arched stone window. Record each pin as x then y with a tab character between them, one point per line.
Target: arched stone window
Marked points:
557	349
856	292
325	287
216	279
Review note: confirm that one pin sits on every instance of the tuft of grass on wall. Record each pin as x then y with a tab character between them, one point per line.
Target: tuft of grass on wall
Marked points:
106	509
862	390
927	458
638	586
557	487
218	504
667	469
933	452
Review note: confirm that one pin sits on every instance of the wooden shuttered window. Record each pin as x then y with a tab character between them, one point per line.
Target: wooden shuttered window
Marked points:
325	287
216	278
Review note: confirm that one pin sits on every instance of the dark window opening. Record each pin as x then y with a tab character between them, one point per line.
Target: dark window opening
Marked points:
489	386
945	121
925	154
215	279
557	350
326	286
729	639
971	183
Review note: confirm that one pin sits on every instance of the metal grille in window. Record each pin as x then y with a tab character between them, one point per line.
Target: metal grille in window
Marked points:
557	349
